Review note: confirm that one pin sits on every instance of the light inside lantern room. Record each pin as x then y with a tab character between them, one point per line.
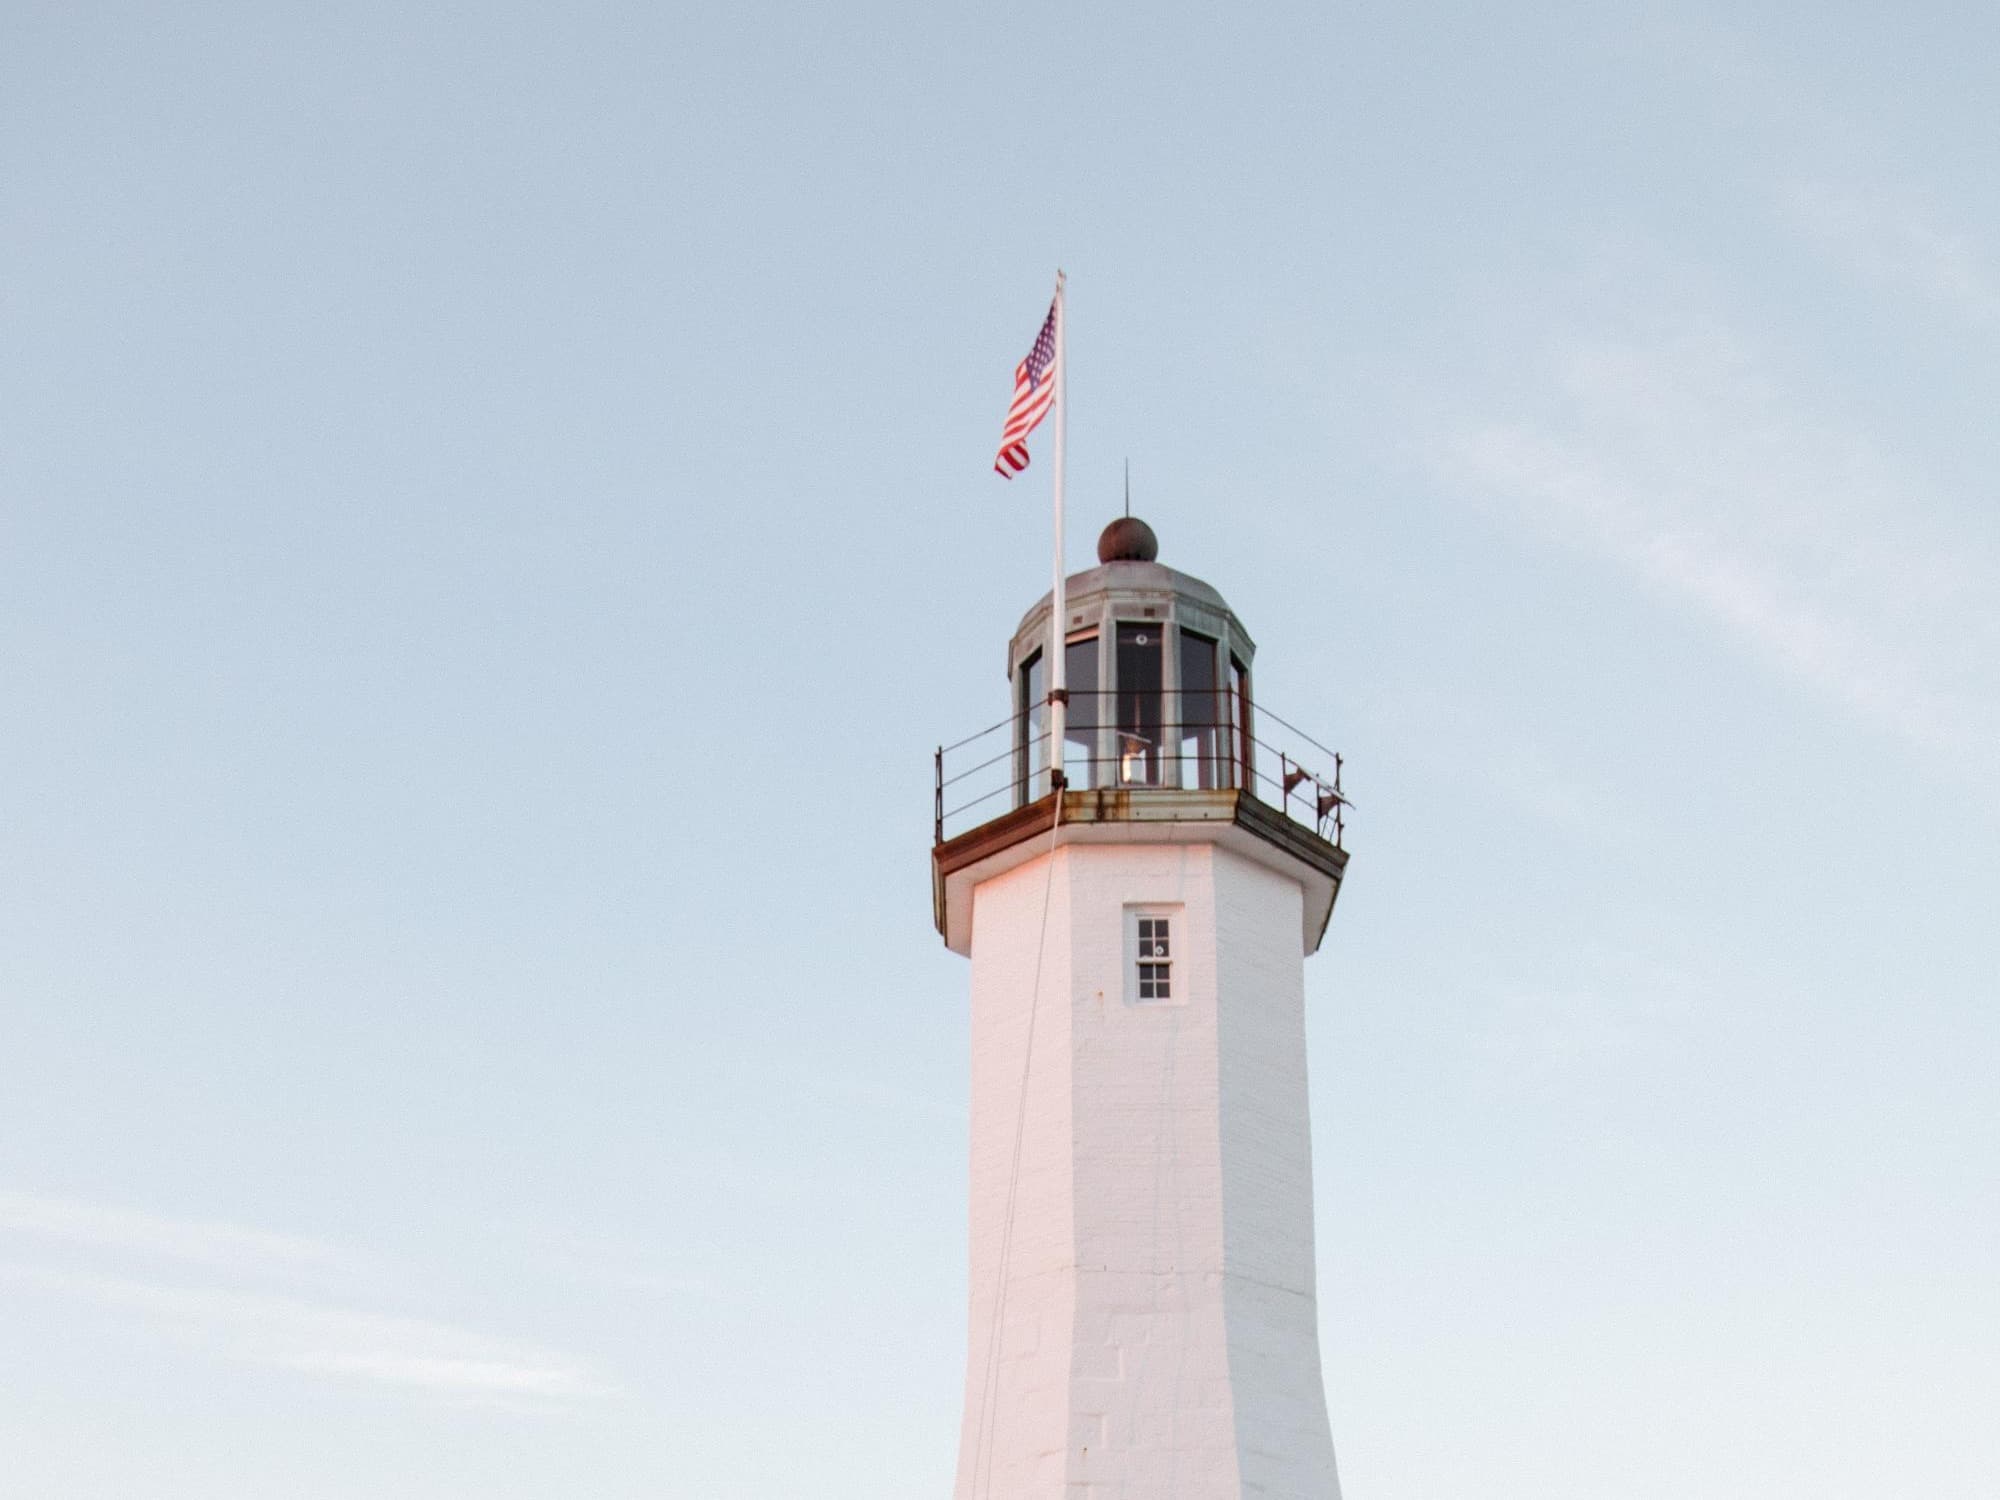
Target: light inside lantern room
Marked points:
1194	735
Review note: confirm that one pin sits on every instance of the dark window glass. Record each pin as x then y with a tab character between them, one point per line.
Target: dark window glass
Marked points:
1139	728
1154	958
1081	755
1203	730
1239	692
1031	711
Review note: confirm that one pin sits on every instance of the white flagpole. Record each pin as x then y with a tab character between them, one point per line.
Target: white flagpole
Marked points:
1058	599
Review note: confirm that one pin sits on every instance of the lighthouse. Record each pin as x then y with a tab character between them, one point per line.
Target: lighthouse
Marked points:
1137	902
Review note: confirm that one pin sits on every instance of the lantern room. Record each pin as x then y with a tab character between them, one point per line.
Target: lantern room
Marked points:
1157	672
1163	740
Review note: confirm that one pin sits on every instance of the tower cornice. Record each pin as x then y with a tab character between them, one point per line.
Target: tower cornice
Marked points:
1135	815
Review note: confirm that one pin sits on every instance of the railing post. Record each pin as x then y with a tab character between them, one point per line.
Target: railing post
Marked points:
1339	806
1227	735
937	800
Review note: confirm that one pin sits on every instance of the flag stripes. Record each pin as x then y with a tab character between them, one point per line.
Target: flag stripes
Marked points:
1034	393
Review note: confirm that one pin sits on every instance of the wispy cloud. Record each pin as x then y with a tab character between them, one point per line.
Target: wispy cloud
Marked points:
307	1334
1684	464
225	1247
613	1262
1897	239
316	1338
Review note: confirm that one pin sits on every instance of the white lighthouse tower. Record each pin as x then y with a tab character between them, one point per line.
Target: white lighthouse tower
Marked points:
1143	1317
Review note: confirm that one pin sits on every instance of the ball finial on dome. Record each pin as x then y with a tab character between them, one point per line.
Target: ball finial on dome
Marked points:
1128	539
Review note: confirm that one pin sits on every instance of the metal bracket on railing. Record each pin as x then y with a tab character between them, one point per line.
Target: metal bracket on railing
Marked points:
1224	756
1332	800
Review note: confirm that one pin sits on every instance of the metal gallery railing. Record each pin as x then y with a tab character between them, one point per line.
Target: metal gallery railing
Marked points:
1191	739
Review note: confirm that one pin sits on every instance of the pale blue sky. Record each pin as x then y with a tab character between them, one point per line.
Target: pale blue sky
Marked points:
497	513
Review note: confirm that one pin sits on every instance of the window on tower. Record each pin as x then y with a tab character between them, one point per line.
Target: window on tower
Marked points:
1239	692
1031	730
1201	727
1150	976
1139	732
1080	753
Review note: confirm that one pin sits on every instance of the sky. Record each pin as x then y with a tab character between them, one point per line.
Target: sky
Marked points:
496	513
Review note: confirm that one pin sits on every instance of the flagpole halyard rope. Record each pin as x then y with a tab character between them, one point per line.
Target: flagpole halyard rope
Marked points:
989	1401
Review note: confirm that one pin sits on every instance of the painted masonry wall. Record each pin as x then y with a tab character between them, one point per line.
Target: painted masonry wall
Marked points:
1159	1334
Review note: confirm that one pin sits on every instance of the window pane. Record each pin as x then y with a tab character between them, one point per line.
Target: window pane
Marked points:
1081	754
1239	691
1200	726
1139	730
1031	712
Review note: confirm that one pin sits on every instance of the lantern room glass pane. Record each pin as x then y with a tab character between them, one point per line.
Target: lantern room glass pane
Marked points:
1239	692
1202	727
1031	726
1081	755
1140	734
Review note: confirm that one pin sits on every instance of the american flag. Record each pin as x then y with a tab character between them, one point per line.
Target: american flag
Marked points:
1034	391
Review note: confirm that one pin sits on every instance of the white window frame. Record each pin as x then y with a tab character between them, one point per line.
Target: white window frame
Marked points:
1176	933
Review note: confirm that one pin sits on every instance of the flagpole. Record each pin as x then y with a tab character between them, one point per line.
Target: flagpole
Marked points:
1058	598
